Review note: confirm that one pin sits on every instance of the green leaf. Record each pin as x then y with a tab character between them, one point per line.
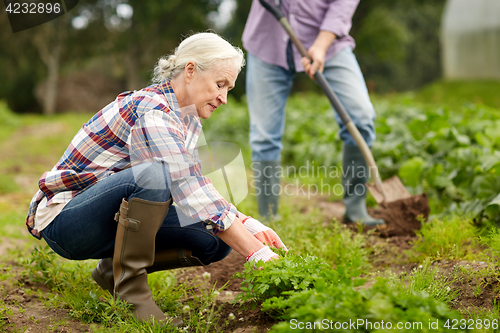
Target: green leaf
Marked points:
411	171
483	140
492	209
489	187
463	140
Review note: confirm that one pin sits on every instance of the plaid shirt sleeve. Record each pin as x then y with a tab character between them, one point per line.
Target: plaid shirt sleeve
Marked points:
160	136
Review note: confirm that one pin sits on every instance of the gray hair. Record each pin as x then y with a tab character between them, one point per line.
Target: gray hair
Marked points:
205	49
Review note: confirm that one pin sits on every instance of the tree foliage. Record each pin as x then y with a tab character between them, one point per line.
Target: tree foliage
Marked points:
125	49
397	44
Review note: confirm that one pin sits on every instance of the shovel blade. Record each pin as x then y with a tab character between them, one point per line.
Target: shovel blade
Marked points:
394	190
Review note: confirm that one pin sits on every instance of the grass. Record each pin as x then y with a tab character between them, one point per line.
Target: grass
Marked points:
452	237
429	279
334	243
73	288
491	239
31	144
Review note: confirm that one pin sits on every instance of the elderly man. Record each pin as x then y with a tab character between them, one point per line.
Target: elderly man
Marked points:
323	27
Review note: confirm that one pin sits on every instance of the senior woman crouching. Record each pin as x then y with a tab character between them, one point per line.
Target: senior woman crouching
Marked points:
109	195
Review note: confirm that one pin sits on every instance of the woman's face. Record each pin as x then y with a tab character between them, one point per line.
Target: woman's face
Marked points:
208	90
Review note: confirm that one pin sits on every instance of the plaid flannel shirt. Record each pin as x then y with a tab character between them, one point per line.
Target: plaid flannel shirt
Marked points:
140	126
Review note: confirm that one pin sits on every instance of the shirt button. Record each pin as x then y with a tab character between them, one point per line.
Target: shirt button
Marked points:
285	38
292	17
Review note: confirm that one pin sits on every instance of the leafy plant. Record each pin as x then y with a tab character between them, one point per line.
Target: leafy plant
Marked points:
340	308
335	244
42	266
291	273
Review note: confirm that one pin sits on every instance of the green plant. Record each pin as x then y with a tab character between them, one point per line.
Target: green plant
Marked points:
5	312
100	309
333	243
340	308
452	237
42	266
477	289
491	239
290	273
428	279
456	93
489	318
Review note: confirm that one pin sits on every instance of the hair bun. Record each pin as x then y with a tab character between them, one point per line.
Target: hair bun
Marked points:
172	61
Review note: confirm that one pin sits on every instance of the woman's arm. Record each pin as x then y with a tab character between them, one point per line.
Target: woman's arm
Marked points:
240	239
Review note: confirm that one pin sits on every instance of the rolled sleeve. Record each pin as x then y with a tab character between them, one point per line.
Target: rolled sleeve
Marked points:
338	17
220	222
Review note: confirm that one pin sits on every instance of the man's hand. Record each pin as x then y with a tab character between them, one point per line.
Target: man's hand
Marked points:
317	52
264	234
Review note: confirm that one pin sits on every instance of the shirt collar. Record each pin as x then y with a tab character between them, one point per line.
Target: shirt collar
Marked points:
167	90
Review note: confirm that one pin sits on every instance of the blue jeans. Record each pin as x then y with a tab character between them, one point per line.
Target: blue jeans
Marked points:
268	87
85	228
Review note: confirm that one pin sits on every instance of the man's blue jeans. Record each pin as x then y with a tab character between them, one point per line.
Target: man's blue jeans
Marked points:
85	228
268	87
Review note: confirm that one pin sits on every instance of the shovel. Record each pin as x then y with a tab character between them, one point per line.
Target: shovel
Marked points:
389	194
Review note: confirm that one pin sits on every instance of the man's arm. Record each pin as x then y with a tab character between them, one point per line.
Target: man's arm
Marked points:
317	53
336	24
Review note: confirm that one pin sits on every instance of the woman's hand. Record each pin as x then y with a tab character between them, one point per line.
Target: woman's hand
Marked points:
317	53
243	242
264	254
264	234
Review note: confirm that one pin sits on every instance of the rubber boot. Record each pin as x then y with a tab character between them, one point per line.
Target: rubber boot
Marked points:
164	261
267	188
355	175
138	222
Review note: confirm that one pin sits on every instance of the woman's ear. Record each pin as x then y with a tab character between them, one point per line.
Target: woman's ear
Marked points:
189	71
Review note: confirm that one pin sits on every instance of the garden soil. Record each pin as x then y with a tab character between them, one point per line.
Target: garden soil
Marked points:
221	276
403	217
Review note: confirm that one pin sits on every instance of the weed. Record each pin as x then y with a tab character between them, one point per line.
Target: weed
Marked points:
428	279
489	319
477	289
92	308
42	266
5	313
492	241
202	310
449	238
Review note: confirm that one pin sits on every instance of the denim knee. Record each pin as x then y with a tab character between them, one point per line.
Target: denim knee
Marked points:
153	177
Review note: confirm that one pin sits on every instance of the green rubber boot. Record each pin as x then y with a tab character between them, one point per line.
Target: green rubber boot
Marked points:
355	175
267	187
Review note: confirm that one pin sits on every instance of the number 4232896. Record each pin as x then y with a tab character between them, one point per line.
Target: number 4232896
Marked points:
33	8
455	324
